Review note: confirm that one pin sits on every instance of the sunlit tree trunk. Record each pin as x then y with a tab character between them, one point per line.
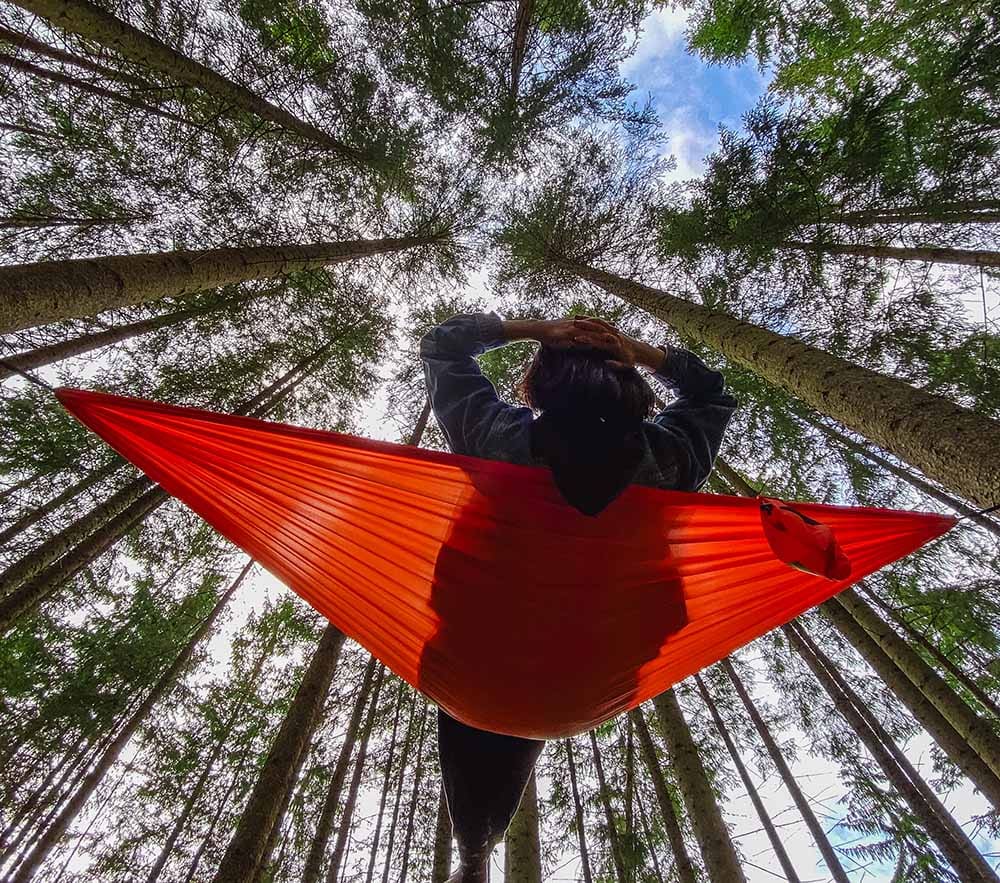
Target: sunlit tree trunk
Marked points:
686	872
95	776
581	822
441	864
522	847
765	819
962	256
95	24
50	291
788	779
950	444
614	843
954	844
717	849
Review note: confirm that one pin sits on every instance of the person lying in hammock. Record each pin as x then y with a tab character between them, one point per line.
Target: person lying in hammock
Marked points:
593	432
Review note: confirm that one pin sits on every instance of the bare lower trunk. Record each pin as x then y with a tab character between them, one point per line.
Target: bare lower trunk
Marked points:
386	777
609	816
441	863
581	824
962	256
765	819
50	291
93	23
411	816
96	775
950	444
397	805
801	802
522	850
717	850
942	828
245	855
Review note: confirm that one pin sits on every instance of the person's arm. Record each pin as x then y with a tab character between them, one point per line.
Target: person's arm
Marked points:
695	421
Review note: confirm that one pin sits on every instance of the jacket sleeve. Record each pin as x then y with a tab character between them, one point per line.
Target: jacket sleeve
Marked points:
692	425
468	409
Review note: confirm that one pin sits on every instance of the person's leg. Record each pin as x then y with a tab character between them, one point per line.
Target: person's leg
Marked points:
484	776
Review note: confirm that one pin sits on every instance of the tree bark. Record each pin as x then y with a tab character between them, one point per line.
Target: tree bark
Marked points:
245	855
941	212
441	863
522	25
686	872
950	444
717	850
50	291
581	824
801	802
96	775
414	796
954	844
85	343
324	826
352	790
609	817
386	777
28	130
966	217
962	256
772	835
916	481
31	518
522	850
93	23
25	222
976	733
403	762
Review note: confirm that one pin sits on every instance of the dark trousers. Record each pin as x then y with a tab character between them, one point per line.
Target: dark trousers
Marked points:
484	776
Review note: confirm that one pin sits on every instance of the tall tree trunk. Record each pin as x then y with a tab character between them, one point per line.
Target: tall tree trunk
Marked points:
92	89
916	481
49	291
717	850
976	734
962	256
441	863
522	25
581	822
960	675
25	41
246	854
39	222
386	777
85	343
35	515
801	802
609	817
352	790
765	819
414	801
522	848
324	826
93	23
686	872
948	443
940	211
930	217
647	837
96	775
954	844
29	130
248	685
404	758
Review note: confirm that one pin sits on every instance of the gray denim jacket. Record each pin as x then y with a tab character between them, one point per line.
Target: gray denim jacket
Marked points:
682	440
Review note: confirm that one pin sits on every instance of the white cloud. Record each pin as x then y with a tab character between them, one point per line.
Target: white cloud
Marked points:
689	141
660	34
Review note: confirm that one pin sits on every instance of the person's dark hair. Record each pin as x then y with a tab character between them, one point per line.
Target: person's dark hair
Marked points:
582	383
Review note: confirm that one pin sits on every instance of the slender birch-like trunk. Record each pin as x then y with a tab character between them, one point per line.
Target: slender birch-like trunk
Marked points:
162	687
50	291
95	24
324	826
822	842
948	443
614	843
522	850
581	824
686	872
441	862
954	844
765	819
962	256
717	849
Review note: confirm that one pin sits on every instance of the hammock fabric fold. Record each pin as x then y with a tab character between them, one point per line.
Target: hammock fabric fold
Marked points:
476	583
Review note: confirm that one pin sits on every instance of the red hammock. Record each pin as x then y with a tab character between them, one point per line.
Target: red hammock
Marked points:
475	582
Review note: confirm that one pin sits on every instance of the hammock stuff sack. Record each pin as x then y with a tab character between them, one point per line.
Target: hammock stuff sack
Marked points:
477	584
